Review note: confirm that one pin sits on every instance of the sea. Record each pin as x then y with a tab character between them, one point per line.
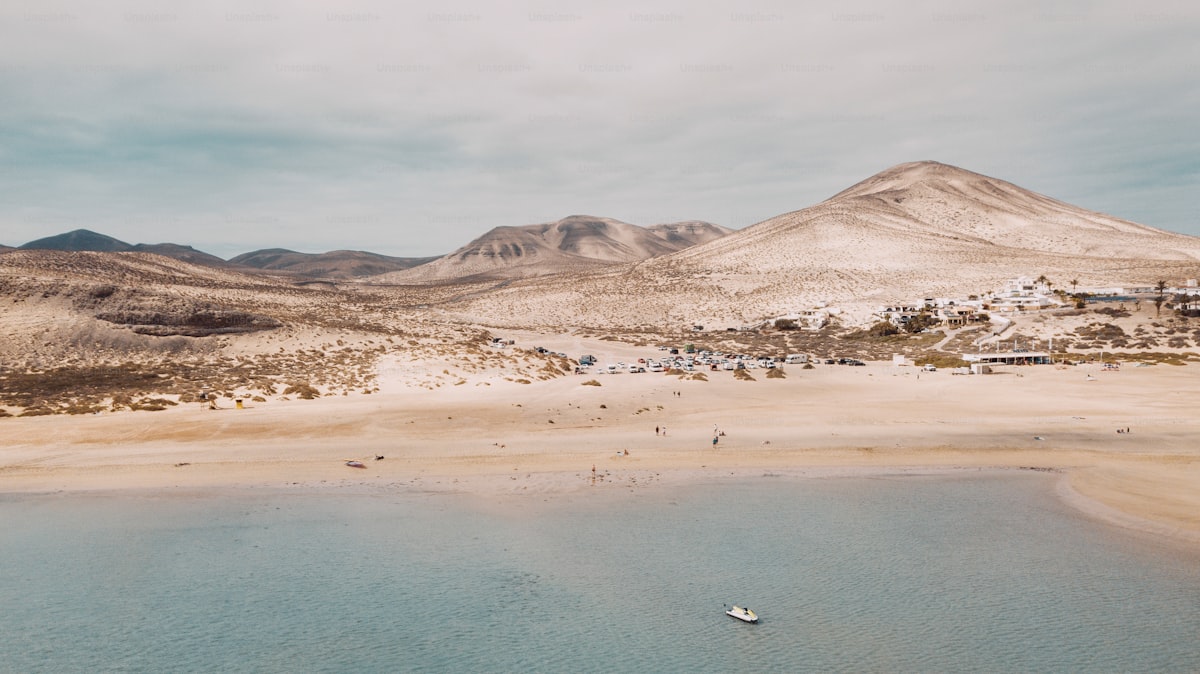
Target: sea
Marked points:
894	573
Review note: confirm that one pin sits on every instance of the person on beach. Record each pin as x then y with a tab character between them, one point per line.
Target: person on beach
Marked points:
656	430
715	437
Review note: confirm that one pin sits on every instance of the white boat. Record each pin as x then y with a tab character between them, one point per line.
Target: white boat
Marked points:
743	614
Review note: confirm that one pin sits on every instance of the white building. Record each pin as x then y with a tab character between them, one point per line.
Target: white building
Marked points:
1023	294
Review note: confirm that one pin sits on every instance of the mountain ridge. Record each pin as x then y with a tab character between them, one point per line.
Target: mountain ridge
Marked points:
575	243
921	229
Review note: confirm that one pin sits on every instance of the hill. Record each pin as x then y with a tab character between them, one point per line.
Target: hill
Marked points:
178	252
338	264
79	240
83	240
916	230
576	243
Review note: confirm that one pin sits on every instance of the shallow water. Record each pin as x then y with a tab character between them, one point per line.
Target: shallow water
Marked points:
850	574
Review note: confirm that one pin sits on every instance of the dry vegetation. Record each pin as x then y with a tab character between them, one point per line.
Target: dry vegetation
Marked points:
91	332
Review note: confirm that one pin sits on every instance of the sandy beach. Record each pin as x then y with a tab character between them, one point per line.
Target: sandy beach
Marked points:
637	430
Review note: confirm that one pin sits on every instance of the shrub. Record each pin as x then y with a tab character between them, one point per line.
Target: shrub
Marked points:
301	390
590	382
920	322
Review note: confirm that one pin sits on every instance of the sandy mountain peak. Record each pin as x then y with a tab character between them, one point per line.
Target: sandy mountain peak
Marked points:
572	244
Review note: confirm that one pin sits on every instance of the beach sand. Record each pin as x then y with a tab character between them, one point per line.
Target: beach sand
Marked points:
545	437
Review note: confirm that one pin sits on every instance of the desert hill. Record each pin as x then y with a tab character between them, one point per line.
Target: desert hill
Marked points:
916	230
574	244
80	326
338	264
83	240
78	240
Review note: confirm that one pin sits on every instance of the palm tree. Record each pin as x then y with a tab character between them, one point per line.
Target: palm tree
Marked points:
1161	287
1074	285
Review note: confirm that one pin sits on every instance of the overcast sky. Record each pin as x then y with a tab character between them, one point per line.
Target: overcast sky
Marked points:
411	128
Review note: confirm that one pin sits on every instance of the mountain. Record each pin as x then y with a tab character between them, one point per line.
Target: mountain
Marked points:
574	244
83	240
916	230
178	252
338	264
79	240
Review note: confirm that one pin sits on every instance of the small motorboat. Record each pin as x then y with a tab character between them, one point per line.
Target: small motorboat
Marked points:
743	614
354	463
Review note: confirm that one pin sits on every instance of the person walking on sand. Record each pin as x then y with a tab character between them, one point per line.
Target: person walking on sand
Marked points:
656	430
715	437
664	430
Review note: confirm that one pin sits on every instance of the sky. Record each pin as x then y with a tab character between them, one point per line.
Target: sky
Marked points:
411	128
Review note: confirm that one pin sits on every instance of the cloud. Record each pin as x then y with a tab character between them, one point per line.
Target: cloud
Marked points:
411	129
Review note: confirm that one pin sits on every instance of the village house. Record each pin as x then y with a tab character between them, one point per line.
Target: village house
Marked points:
1022	294
809	319
899	314
956	316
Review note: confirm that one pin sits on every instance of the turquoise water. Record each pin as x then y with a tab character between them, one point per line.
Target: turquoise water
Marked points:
888	574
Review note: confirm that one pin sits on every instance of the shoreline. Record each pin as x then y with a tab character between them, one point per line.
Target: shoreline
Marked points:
544	438
560	484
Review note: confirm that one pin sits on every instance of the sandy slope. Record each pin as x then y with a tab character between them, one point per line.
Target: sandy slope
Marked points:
577	243
545	437
916	230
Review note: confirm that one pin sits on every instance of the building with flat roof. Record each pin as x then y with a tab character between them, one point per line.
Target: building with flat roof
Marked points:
1009	358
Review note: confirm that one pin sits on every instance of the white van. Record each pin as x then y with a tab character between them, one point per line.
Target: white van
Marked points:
797	358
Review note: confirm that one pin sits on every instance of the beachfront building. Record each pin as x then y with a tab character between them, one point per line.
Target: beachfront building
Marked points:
1022	294
1017	357
950	312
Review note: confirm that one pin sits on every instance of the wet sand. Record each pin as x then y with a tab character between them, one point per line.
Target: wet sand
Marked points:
544	438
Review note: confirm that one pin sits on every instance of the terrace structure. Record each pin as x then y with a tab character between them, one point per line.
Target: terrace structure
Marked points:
1015	357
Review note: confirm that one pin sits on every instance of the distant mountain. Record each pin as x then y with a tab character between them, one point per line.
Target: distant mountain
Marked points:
185	253
79	240
575	243
916	230
338	264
